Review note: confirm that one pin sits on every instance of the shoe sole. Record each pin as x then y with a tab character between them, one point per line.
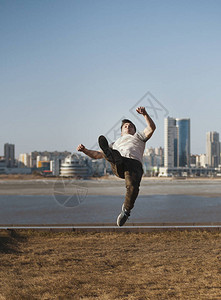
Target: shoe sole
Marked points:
111	155
103	143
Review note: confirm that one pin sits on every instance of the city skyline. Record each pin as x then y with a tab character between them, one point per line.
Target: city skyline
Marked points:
70	70
174	160
171	132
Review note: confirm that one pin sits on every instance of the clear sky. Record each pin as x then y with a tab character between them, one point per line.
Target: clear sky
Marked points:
70	70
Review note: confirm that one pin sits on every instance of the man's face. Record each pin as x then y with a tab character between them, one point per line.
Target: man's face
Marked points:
127	128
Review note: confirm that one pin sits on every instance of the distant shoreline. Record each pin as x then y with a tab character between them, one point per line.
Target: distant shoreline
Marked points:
111	186
5	177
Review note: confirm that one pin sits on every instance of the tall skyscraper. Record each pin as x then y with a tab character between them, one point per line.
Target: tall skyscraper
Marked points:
170	143
9	154
183	145
213	149
176	142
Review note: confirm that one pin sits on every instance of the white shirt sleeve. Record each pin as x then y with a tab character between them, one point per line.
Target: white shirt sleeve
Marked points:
142	136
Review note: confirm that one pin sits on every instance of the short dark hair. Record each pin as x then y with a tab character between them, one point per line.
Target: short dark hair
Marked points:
127	121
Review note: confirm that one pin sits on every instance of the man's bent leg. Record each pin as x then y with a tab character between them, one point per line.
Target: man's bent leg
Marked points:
118	169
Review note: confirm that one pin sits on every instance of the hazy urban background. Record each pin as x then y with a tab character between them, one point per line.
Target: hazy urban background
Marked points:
70	70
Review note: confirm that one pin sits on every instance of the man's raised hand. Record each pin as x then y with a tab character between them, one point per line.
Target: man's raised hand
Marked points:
141	110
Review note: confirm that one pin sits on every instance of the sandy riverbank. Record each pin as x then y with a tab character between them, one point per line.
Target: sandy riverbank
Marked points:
112	186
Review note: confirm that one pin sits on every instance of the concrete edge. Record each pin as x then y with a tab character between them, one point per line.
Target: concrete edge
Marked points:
135	228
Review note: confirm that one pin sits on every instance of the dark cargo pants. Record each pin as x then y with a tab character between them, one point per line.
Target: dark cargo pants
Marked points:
131	170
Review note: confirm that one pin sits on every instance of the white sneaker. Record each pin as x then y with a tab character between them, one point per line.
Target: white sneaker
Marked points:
123	216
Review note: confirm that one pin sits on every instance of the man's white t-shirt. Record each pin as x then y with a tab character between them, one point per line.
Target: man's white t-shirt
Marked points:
131	146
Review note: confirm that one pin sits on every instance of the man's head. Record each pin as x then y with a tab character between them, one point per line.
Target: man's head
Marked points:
127	127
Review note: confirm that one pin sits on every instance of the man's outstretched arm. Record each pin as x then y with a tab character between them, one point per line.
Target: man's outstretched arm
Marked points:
91	153
149	130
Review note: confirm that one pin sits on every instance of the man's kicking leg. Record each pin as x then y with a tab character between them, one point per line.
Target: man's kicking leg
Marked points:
113	156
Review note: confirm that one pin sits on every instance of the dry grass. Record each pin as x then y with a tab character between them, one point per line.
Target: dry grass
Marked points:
157	265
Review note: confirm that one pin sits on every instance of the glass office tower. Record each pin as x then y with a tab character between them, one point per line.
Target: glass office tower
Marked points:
176	142
9	153
170	142
183	142
213	149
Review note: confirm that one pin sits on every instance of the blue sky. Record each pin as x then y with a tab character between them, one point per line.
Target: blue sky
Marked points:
70	70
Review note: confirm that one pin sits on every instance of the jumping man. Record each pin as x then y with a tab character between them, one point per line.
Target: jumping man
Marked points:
125	156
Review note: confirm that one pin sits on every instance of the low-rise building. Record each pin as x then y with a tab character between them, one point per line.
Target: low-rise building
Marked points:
74	166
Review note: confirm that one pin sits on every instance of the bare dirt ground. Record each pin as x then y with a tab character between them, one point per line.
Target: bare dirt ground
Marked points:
20	177
154	265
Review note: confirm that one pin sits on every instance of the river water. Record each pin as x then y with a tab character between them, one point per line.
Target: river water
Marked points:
82	208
